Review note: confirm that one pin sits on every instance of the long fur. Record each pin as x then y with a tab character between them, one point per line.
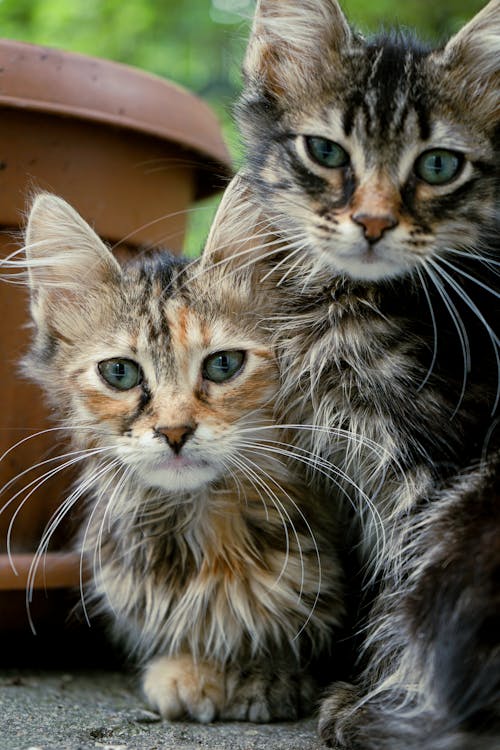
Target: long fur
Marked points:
221	579
391	343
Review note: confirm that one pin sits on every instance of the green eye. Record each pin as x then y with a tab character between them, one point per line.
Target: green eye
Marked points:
439	166
326	153
222	366
122	374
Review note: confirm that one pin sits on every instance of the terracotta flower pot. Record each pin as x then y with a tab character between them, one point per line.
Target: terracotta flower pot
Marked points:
130	152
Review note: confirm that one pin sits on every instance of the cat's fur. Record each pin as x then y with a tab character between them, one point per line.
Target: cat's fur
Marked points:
199	539
386	328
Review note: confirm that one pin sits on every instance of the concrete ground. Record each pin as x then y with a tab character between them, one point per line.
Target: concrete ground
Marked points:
78	710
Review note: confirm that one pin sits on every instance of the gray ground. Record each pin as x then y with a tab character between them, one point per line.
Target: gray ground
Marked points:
86	711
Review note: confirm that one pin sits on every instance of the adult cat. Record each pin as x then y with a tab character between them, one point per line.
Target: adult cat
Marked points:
376	162
197	530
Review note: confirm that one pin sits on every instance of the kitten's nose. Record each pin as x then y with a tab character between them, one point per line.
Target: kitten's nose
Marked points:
177	435
374	226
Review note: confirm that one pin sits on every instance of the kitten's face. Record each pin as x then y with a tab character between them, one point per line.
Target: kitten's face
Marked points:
166	374
174	389
369	155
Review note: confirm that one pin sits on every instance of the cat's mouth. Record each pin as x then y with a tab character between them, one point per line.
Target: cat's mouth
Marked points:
179	473
368	261
179	463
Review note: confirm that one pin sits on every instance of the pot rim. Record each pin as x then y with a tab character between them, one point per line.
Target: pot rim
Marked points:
70	84
56	570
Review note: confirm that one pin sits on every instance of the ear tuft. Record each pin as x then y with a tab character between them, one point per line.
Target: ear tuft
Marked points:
65	259
290	42
240	233
62	250
471	60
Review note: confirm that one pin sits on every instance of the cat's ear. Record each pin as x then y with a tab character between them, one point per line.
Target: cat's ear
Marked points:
240	233
291	41
65	258
472	62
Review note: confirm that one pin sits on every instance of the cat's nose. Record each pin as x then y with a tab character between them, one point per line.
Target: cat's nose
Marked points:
374	226
176	435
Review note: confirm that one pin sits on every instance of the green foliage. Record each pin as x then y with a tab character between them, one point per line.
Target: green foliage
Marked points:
198	43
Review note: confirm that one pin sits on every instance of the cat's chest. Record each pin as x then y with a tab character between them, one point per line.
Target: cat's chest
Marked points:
351	367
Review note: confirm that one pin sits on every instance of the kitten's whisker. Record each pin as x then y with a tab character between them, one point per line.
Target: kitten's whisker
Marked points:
467	276
256	481
279	487
495	341
82	489
60	457
31	436
471	256
313	539
35	485
328	470
377	448
434	328
278	265
292	268
239	486
149	224
47	534
97	557
460	328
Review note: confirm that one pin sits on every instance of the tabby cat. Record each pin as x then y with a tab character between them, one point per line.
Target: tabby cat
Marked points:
376	163
216	565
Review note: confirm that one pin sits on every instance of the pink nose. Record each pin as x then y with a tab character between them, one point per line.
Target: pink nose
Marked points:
375	226
176	436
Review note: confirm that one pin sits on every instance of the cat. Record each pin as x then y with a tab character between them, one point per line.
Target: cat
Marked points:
214	562
375	163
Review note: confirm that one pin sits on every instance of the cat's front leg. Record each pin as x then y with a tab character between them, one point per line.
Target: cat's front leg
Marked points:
265	693
180	688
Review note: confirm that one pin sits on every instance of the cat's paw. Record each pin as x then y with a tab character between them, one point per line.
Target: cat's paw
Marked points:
261	697
178	688
337	717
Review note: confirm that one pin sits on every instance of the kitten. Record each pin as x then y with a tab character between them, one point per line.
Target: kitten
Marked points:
215	563
376	162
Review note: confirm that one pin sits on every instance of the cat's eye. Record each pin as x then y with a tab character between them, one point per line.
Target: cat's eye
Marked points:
223	366
438	166
326	153
123	374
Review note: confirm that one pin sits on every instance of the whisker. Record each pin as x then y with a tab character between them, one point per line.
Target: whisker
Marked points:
477	312
55	520
434	328
468	276
313	539
460	328
34	484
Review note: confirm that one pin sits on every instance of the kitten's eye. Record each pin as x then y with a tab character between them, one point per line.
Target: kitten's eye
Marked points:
120	373
222	366
439	166
326	153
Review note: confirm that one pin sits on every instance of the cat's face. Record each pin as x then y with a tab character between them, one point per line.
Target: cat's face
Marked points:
167	375
372	156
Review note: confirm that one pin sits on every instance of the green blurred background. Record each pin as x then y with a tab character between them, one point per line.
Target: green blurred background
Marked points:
198	43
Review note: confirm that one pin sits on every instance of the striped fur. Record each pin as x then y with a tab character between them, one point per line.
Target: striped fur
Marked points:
215	564
388	345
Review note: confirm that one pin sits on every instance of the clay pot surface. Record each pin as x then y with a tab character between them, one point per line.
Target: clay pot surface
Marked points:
131	152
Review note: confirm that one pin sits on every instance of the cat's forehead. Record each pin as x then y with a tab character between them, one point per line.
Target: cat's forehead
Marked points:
382	89
168	310
388	98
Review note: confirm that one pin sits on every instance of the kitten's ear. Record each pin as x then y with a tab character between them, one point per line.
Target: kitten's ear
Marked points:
240	233
64	256
472	61
291	41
